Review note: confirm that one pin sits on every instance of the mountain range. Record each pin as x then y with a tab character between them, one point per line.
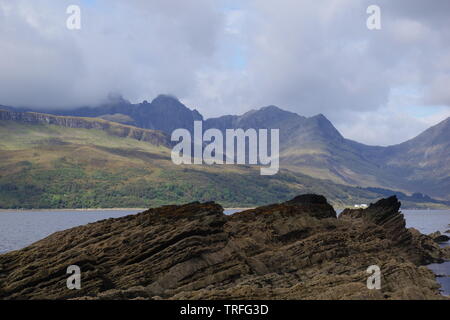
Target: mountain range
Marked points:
310	147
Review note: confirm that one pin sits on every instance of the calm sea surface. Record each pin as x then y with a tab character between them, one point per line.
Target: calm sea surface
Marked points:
21	228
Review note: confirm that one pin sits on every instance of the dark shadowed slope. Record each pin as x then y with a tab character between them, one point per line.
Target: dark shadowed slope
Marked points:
164	113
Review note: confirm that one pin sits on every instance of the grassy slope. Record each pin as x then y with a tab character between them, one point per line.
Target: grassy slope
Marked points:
337	163
47	166
414	166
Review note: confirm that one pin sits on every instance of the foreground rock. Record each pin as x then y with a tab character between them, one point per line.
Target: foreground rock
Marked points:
294	250
439	237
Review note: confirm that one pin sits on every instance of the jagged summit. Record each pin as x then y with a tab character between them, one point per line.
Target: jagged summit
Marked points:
325	126
166	99
274	109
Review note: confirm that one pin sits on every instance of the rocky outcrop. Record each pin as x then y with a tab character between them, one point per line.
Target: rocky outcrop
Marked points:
295	250
115	129
439	237
385	215
165	113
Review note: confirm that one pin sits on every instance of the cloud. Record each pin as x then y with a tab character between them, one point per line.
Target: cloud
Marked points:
225	57
138	48
438	92
388	126
319	57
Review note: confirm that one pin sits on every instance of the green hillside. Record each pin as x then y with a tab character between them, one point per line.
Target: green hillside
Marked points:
50	166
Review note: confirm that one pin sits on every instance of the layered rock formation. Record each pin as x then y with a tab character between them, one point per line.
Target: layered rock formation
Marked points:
295	250
115	129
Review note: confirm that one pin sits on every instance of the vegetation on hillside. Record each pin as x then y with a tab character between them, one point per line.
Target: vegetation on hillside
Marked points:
47	166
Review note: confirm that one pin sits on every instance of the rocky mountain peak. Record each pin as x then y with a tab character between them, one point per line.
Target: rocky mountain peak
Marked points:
166	99
275	111
168	103
265	117
324	126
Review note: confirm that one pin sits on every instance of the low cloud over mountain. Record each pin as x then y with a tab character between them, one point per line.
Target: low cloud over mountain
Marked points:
310	57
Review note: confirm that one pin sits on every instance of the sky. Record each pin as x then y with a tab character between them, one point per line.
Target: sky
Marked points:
379	87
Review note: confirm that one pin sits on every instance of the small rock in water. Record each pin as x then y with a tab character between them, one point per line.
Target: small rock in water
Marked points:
439	237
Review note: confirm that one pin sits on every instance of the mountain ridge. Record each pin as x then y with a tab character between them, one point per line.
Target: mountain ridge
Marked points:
311	146
153	136
46	165
115	104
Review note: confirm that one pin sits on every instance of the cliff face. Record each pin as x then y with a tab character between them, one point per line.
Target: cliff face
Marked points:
124	131
165	113
294	250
